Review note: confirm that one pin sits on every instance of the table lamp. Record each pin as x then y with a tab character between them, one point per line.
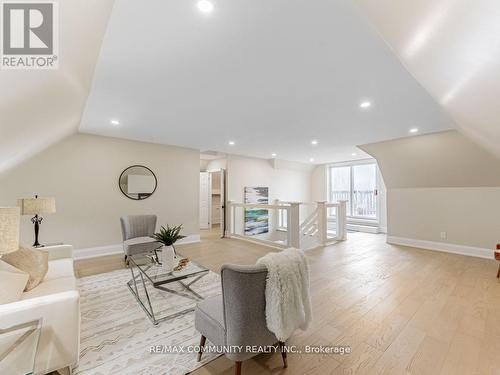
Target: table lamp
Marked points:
9	229
37	206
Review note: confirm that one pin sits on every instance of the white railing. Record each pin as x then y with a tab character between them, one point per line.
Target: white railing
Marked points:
279	224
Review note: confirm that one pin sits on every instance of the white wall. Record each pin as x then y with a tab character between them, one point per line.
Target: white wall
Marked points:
82	172
287	182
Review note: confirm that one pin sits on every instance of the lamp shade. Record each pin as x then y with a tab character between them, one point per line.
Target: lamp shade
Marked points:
9	229
37	206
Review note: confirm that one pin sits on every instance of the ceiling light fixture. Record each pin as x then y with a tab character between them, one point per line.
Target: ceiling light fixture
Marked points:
205	6
231	143
314	142
311	160
354	154
365	105
115	122
414	130
274	154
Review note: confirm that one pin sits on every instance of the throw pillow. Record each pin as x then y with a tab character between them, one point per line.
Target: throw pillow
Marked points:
13	282
33	262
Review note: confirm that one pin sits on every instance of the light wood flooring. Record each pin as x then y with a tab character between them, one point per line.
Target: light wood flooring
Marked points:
401	310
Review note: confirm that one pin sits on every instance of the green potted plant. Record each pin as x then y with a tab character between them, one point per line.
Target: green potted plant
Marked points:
168	237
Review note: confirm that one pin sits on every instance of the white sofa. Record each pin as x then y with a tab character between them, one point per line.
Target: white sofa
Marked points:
56	301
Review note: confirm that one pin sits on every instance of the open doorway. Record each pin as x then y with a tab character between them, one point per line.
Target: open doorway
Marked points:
213	192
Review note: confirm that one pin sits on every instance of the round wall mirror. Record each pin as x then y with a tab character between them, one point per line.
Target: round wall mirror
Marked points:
138	182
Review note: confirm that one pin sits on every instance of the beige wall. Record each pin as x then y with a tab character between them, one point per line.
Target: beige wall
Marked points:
469	216
82	172
441	182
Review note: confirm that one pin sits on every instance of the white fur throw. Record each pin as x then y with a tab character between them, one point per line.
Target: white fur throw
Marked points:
288	302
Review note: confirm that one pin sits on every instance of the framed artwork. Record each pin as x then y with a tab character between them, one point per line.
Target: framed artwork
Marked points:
256	220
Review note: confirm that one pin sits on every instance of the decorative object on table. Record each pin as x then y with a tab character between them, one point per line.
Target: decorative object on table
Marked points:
18	347
182	264
9	229
37	206
256	220
137	182
168	237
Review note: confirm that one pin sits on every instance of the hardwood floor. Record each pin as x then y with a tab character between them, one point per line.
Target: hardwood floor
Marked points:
401	310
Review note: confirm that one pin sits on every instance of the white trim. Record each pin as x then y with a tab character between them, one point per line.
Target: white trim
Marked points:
442	246
382	230
100	251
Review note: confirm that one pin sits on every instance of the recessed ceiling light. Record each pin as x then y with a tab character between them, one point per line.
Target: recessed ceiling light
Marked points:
414	130
231	143
115	122
311	160
365	105
354	154
205	6
274	154
314	142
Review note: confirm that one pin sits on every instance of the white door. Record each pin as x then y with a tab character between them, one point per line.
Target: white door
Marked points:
204	200
222	202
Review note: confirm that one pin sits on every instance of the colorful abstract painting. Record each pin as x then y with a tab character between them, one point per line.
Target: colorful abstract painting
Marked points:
256	220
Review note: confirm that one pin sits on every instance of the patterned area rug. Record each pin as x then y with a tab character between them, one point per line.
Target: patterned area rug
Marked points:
116	334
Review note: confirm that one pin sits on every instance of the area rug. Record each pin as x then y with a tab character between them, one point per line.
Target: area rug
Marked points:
117	336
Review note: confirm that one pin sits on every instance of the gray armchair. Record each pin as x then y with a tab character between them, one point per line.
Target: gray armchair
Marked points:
136	232
238	316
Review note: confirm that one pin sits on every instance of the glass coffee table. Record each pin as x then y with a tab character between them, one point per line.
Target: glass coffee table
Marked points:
147	273
18	347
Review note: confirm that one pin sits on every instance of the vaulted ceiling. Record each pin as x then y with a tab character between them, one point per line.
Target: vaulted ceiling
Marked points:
40	107
452	48
270	76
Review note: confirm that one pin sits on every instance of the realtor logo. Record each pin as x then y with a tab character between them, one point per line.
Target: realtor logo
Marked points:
29	35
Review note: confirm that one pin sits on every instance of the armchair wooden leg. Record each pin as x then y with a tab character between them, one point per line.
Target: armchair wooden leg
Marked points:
498	273
202	345
237	368
283	354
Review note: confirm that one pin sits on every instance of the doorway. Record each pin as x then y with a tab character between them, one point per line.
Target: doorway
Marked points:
212	199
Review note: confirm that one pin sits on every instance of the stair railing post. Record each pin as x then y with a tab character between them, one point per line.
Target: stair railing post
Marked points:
322	223
293	225
342	221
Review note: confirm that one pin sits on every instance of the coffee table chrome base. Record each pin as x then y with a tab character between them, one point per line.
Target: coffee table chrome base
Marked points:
148	307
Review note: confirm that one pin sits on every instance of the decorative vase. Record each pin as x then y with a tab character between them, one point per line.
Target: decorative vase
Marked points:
167	258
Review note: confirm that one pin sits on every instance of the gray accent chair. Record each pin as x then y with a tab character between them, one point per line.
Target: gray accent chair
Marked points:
238	316
136	232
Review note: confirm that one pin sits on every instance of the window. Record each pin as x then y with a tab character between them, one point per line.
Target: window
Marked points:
356	184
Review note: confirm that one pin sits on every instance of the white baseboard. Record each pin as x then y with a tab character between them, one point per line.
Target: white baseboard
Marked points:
382	229
442	246
100	251
362	228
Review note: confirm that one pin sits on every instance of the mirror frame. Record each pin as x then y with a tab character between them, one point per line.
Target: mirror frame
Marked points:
134	166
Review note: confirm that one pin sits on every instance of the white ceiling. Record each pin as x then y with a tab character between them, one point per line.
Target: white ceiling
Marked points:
452	47
40	107
270	75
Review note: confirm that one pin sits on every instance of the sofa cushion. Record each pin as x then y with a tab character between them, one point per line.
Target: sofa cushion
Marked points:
60	268
33	262
12	281
209	320
52	286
